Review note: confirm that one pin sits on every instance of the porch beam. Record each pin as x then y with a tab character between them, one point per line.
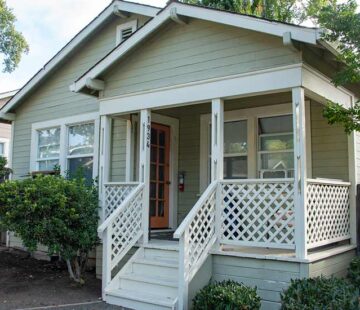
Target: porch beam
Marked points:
217	139
299	128
144	166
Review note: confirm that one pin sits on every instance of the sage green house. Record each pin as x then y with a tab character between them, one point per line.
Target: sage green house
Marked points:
205	129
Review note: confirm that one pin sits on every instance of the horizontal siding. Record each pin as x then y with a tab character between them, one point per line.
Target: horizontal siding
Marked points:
270	277
118	150
329	145
54	100
200	50
5	131
335	265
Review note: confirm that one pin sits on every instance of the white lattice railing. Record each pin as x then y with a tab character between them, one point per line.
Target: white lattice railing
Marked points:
114	195
121	230
258	213
328	212
196	236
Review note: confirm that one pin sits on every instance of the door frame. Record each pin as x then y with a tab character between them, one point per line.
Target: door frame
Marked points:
173	123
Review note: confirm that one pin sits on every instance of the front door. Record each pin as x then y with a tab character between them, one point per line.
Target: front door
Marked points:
159	176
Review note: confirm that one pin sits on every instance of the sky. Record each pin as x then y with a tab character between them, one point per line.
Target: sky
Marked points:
47	26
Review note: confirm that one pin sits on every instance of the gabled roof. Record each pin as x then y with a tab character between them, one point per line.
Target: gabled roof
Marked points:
8	94
176	11
115	7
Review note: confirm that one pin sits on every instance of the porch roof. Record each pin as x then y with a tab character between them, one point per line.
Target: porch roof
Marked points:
179	12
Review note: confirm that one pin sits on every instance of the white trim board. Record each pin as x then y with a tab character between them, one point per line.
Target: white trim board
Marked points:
131	7
302	34
253	83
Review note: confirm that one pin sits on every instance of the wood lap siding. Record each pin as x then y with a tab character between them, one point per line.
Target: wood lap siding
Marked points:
118	151
200	50
53	98
329	147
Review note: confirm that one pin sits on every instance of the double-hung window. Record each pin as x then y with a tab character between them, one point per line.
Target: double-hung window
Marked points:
48	148
276	147
80	152
2	148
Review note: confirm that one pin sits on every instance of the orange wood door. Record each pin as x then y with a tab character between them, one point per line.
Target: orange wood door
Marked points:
159	176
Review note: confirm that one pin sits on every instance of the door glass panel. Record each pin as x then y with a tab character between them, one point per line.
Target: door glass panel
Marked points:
153	172
161	173
153	190
161	191
161	155
161	209
153	136
153	155
152	207
161	138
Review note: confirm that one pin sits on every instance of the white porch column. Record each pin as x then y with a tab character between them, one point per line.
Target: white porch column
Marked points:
217	139
353	188
104	169
299	127
144	165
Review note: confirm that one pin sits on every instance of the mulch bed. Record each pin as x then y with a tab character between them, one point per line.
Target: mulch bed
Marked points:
28	283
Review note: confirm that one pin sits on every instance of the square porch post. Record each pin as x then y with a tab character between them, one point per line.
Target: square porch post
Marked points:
144	166
217	139
299	127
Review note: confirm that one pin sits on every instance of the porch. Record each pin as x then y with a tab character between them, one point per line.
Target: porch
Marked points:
256	210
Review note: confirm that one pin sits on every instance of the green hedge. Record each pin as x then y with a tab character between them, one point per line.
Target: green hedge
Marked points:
227	295
320	293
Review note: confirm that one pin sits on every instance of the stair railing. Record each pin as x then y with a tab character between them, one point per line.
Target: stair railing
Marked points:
196	234
121	231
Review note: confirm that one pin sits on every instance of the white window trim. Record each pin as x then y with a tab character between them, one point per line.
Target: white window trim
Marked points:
131	24
6	142
64	124
251	115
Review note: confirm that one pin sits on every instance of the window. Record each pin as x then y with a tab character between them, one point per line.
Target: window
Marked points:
80	153
276	147
235	150
124	31
48	152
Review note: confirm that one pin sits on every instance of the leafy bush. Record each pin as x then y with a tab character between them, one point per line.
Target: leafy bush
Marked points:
320	293
227	295
354	272
4	171
58	213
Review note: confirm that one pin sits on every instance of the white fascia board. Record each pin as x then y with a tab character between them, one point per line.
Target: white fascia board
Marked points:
8	94
321	88
306	35
77	40
298	33
253	83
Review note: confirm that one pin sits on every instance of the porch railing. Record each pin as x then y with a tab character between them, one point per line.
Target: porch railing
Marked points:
123	227
258	213
328	212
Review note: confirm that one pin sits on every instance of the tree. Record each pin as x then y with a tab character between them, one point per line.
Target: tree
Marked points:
60	213
281	10
12	42
342	24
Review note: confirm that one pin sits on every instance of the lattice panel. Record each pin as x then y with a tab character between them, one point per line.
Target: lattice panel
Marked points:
125	227
261	213
328	213
115	194
201	231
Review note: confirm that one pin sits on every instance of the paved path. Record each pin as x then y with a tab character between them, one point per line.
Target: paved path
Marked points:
97	305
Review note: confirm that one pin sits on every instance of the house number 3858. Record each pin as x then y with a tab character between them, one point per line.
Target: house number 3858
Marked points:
148	133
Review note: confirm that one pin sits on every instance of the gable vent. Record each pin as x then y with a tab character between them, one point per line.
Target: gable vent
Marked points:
124	31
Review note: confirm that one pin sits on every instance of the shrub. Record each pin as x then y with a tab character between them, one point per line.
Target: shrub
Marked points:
320	293
4	171
354	272
227	295
58	213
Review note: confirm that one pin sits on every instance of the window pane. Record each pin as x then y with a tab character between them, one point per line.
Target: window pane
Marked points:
277	161
235	137
235	167
83	163
2	149
49	143
81	139
277	142
47	165
276	124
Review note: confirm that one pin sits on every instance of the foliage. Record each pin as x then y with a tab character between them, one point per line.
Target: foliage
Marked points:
4	171
282	10
228	295
12	42
342	24
58	213
320	293
354	272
